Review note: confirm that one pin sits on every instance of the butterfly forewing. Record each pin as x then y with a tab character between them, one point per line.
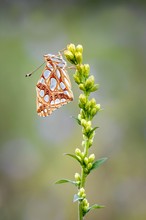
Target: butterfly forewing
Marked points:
54	87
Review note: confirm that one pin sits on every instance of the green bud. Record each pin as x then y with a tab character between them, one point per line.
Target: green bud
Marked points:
92	102
79	117
93	112
98	107
90	143
86	171
84	123
86	160
88	127
79	48
91	158
81	86
89	166
76	78
83	143
94	88
86	70
82	99
77	177
81	192
69	56
78	57
78	152
80	68
85	208
89	82
82	113
71	47
85	202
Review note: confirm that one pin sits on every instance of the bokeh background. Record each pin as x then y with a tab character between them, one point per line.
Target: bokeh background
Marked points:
113	34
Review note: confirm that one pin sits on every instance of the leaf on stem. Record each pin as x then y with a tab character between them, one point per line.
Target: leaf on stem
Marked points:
65	181
77	198
73	156
95	206
90	133
77	120
97	163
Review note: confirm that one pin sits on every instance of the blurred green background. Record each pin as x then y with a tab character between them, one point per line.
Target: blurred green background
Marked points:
113	34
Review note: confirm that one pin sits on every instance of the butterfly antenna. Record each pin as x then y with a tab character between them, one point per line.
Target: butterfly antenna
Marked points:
29	74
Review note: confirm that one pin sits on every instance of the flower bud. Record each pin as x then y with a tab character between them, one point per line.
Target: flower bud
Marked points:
81	86
91	158
69	56
80	68
94	88
85	202
82	113
86	160
88	126
83	99
78	57
78	152
86	171
79	48
89	82
83	123
98	107
86	70
92	102
93	112
89	166
71	47
76	78
83	143
90	142
77	177
81	192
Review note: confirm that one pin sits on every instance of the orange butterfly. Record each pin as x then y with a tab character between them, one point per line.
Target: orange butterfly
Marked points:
54	86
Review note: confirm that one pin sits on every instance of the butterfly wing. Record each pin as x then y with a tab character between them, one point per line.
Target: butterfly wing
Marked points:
53	88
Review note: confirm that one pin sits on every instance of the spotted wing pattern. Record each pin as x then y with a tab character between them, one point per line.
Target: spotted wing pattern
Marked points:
54	87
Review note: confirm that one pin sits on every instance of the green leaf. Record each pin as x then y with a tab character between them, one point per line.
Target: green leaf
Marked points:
97	163
95	206
73	156
91	132
77	198
78	121
65	181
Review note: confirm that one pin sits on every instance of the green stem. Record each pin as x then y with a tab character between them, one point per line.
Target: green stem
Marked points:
83	180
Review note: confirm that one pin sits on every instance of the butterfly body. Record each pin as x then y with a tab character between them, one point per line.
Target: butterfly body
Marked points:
54	87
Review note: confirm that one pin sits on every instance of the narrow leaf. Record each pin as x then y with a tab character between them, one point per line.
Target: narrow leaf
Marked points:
77	198
91	132
77	120
65	181
73	156
97	163
95	206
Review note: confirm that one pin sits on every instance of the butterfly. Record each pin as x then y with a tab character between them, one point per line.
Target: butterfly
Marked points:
54	87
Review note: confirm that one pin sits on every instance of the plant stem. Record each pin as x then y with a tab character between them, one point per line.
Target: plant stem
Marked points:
80	212
83	179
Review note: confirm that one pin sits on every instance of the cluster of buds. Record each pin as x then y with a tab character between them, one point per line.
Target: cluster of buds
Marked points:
89	108
85	203
74	54
86	162
81	76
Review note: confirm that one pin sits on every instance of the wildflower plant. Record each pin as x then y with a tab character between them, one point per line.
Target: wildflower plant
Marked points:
88	109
